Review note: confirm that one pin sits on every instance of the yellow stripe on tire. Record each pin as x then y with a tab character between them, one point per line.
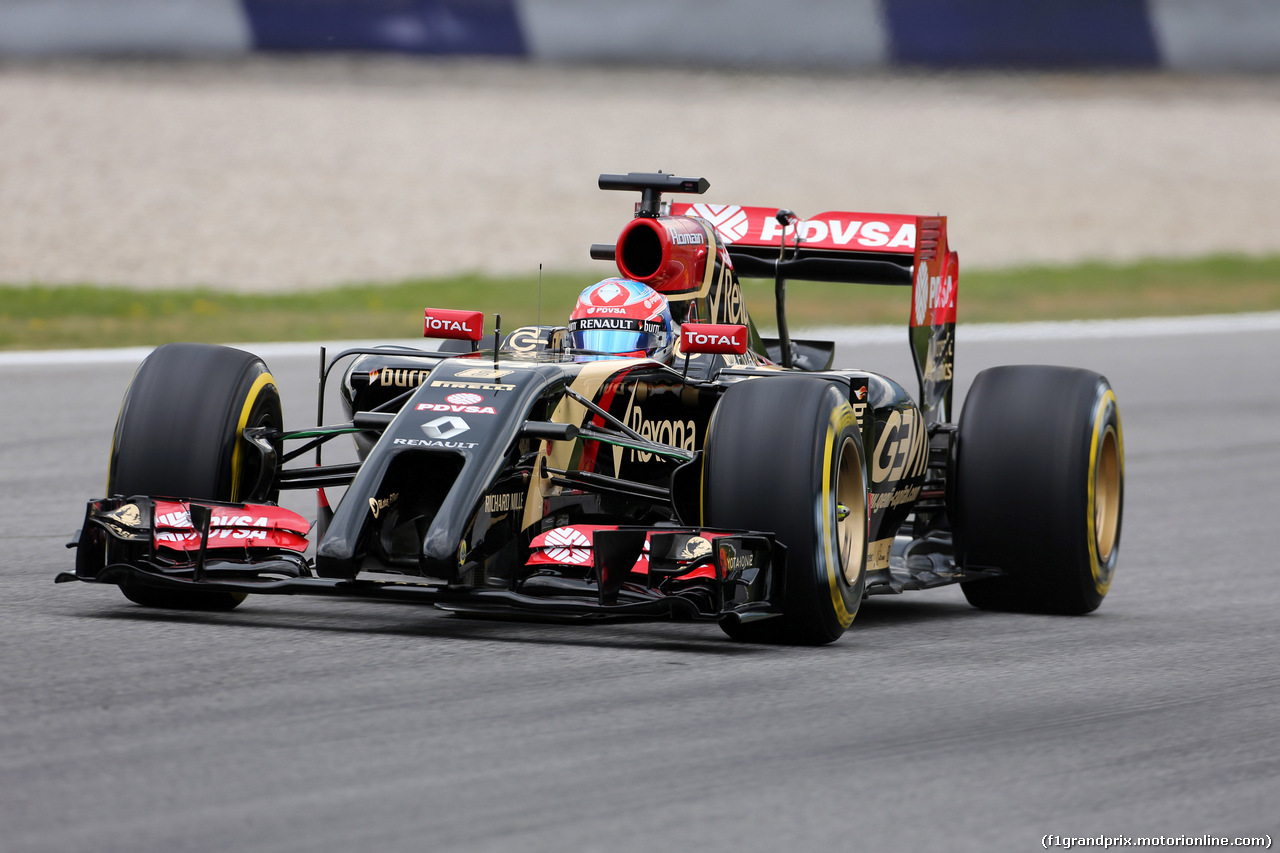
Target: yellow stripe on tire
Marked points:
841	417
237	454
1101	430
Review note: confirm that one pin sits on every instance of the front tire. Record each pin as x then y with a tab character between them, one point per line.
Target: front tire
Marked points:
179	435
1039	488
784	455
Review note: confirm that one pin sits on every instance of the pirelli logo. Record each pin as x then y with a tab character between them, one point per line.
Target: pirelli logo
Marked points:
474	386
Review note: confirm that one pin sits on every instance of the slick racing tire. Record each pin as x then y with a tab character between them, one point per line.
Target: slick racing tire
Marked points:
179	435
1039	489
784	455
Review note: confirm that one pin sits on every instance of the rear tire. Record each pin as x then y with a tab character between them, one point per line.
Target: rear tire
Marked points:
784	455
1039	488
179	435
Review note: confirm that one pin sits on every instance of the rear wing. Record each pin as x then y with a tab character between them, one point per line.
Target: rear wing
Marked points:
854	248
745	227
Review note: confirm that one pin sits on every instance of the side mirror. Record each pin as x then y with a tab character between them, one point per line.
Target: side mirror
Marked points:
455	325
713	338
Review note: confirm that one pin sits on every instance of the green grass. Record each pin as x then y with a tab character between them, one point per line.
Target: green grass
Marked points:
40	317
1214	285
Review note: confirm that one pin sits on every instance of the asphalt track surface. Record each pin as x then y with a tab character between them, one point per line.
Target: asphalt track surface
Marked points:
315	724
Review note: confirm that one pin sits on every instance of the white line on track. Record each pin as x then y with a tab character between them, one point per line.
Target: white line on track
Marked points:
135	355
1146	327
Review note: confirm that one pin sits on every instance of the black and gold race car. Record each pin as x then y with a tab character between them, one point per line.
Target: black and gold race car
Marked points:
742	481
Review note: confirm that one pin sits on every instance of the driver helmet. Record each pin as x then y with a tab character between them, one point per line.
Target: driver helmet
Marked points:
620	317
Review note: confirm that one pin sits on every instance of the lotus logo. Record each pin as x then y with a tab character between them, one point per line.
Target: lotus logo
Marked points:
695	548
129	515
446	427
483	373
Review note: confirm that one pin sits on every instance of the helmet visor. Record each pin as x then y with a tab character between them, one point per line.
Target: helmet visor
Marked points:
613	341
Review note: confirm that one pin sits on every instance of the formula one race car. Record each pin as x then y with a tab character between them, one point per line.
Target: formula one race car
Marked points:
736	479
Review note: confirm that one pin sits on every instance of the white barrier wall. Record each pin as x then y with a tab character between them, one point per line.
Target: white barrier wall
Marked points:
1241	35
150	27
853	34
816	33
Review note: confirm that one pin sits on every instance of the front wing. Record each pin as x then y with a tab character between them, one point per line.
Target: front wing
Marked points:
244	548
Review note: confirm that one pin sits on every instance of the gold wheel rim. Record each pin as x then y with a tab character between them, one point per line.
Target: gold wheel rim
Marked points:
1106	495
851	512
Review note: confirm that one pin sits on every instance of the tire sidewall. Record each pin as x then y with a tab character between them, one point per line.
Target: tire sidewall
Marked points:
840	430
1027	446
1105	420
179	429
179	434
764	470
